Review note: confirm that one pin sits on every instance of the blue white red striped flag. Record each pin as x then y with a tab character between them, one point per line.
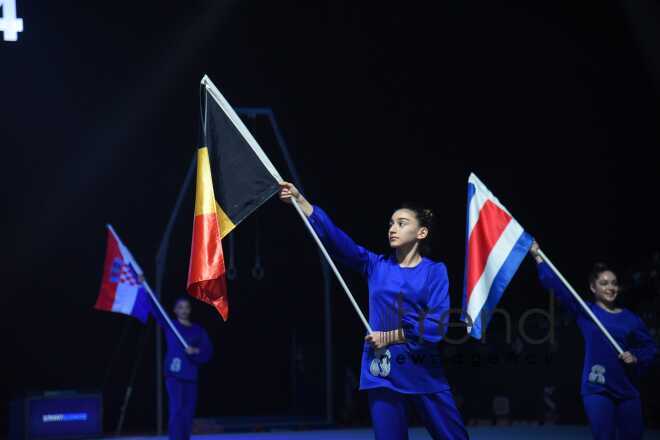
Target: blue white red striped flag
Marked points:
496	244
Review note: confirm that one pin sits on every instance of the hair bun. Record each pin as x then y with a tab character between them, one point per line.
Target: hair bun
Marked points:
600	267
424	215
430	216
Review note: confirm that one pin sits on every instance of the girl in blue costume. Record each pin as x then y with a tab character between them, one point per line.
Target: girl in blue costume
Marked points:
409	312
181	369
610	382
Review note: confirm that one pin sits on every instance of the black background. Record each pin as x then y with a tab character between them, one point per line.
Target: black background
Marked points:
550	103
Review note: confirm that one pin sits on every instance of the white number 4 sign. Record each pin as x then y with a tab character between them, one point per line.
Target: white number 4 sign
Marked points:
10	26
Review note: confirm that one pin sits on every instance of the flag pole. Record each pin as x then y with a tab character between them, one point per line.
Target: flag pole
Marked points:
167	318
332	265
582	303
136	267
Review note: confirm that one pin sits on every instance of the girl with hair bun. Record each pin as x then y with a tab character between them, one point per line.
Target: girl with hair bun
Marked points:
409	311
610	382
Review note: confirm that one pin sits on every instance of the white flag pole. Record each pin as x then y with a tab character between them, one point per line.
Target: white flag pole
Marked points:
582	303
136	267
332	265
167	318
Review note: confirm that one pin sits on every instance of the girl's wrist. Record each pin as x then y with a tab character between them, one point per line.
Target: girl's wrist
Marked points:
306	207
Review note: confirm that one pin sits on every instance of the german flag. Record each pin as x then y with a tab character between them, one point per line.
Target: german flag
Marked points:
234	178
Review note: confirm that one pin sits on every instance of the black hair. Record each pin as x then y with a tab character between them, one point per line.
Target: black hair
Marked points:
182	298
598	268
426	219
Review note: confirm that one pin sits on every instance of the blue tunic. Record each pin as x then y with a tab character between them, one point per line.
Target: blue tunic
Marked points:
413	298
604	372
179	364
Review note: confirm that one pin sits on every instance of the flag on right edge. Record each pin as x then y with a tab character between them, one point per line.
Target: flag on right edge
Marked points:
495	246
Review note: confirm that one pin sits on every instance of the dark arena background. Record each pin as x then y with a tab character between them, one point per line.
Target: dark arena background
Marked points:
553	104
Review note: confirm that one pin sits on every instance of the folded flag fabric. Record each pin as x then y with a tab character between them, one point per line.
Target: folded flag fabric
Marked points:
496	244
234	178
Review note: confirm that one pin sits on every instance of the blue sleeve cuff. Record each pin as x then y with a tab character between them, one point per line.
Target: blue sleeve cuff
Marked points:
316	219
543	270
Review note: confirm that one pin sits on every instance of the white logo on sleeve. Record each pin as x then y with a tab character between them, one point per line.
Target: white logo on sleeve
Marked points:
597	374
381	364
175	365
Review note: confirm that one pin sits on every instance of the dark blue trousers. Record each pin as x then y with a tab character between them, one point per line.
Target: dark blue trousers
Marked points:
389	414
182	398
613	419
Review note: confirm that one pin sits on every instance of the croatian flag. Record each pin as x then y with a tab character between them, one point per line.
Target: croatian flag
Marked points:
496	244
123	288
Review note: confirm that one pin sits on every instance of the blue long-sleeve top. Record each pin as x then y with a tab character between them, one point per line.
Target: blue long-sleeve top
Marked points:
178	363
603	371
413	298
